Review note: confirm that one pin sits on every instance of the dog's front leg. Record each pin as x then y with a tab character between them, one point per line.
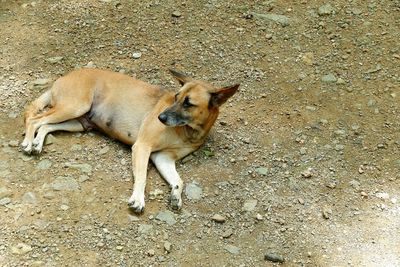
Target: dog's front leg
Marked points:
165	164
140	159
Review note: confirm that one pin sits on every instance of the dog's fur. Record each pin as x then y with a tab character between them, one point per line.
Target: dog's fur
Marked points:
158	124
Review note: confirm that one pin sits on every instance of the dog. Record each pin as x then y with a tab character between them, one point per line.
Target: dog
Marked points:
160	125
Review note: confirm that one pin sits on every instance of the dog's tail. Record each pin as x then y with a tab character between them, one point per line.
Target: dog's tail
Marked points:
38	105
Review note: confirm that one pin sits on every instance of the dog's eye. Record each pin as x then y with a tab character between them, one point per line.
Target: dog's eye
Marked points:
186	103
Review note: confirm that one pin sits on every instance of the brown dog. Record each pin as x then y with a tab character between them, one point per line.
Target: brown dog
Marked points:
159	125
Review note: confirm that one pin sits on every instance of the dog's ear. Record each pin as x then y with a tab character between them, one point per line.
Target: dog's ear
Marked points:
221	95
181	77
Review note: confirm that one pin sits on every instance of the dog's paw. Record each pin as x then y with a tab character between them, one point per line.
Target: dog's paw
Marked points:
136	203
176	201
26	148
36	149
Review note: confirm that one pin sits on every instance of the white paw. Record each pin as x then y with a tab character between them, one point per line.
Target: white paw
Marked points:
136	202
176	199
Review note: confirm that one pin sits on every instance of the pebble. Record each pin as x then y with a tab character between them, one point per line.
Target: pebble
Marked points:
193	191
279	19
83	178
326	212
151	252
307	173
84	167
44	164
50	139
259	217
13	143
64	183
155	193
166	216
262	171
308	58
250	205
340	81
119	248
227	233
54	60
218	218
232	249
329	78
41	83
29	198
5	201
167	246
4	192
176	14
133	218
64	207
145	229
274	257
382	195
136	55
21	249
325	10
104	150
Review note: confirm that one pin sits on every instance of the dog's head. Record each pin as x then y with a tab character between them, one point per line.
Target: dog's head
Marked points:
195	102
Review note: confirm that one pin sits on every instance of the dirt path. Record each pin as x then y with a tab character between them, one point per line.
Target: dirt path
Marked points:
303	162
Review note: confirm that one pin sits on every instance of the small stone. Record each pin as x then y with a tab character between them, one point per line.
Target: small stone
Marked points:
227	233
193	191
326	212
13	143
325	10
21	249
83	178
50	139
274	257
44	164
151	252
29	198
167	246
308	58
136	55
5	201
218	218
64	207
262	171
145	229
155	193
166	216
382	195
119	248
104	150
90	65
176	14
340	81
54	60
249	205
279	19
329	78
4	192
356	11
133	218
307	173
64	183
232	249
84	167
259	217
41	82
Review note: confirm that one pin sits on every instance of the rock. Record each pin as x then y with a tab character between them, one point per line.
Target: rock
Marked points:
259	217
325	10
145	229
218	218
274	257
326	212
119	248
13	143
83	178
5	201
4	192
329	78
84	167
167	246
64	183
340	81
41	83
29	198
308	58
54	60
176	14
50	139
280	19
307	173
104	150
166	216
382	195
261	170
90	65
136	55
151	252
227	233
133	218
44	164
249	205
193	191
21	249
232	249
155	193
64	207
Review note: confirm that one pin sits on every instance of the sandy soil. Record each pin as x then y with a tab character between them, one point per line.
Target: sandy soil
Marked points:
302	164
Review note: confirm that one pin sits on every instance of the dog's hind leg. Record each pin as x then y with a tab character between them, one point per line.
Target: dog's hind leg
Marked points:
165	164
69	126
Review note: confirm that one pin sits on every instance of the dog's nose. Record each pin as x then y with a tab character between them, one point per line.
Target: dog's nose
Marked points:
162	117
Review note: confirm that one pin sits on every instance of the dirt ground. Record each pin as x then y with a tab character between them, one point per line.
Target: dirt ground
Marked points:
303	163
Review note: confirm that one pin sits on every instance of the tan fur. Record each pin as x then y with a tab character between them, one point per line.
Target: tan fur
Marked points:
159	125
